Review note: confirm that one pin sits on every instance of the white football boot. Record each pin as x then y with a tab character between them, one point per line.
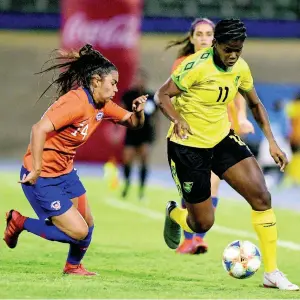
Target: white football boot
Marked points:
278	280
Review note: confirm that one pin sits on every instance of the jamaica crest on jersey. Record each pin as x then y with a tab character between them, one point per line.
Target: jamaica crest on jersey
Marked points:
236	81
99	115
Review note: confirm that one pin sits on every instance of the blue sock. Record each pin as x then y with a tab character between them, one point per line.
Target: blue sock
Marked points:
46	231
77	251
215	201
187	235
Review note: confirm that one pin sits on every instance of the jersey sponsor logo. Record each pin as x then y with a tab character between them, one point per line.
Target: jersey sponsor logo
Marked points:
99	116
187	186
56	205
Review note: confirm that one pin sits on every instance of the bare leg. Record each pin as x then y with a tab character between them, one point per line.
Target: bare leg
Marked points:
248	180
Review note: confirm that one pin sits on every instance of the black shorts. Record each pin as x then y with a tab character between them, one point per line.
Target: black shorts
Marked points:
136	138
191	167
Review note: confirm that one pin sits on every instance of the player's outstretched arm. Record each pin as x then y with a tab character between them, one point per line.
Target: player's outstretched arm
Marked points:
163	98
37	140
261	116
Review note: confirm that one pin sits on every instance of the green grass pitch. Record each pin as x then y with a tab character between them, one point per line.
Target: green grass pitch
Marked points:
129	253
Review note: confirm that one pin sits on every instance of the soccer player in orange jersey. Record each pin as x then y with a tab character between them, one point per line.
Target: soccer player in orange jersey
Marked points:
86	87
200	36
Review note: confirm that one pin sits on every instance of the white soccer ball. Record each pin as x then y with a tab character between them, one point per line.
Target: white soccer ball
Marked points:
241	259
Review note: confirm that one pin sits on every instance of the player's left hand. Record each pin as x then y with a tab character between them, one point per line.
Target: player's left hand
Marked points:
245	127
30	178
139	103
279	156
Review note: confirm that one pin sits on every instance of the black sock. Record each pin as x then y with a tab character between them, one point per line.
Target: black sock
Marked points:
126	172
143	177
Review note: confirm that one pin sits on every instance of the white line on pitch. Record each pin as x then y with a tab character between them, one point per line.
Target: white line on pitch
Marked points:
226	230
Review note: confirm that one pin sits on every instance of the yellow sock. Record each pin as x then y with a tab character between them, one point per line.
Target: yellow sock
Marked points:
264	223
179	215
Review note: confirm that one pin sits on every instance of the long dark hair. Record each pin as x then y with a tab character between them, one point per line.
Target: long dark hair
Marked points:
77	69
188	47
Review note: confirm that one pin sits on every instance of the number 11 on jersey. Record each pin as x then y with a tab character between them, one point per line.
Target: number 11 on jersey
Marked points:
221	93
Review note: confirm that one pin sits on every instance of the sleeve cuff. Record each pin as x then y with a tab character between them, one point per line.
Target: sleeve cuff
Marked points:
247	90
53	122
126	117
178	83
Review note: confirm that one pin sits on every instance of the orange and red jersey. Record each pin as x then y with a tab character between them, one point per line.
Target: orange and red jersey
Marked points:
74	117
232	111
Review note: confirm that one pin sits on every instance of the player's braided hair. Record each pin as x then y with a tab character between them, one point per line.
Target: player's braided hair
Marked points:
230	29
188	47
78	68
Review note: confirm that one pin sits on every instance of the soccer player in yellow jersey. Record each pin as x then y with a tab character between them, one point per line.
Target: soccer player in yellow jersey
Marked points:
201	141
293	110
201	35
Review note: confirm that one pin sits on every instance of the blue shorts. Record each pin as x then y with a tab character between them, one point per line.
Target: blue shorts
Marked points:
52	196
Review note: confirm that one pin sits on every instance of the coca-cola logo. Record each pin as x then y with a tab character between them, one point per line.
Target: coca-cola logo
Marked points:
120	31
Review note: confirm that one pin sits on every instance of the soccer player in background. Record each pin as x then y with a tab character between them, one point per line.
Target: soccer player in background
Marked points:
86	86
293	110
138	142
201	35
202	141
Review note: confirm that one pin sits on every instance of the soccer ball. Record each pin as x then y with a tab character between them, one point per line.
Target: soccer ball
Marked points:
241	259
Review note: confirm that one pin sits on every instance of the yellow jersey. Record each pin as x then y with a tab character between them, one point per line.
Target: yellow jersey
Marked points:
206	92
233	116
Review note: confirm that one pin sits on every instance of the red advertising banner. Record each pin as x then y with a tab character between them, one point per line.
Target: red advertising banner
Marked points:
113	28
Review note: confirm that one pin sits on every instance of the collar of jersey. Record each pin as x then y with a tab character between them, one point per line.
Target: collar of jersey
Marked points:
217	67
90	98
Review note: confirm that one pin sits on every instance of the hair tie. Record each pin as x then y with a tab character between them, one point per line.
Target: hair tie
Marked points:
202	21
85	50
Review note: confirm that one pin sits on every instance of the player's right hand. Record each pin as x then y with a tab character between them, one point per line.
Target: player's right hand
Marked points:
139	103
279	156
30	178
182	129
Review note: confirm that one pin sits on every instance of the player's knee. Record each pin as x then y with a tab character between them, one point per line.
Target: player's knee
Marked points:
262	201
202	225
80	233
